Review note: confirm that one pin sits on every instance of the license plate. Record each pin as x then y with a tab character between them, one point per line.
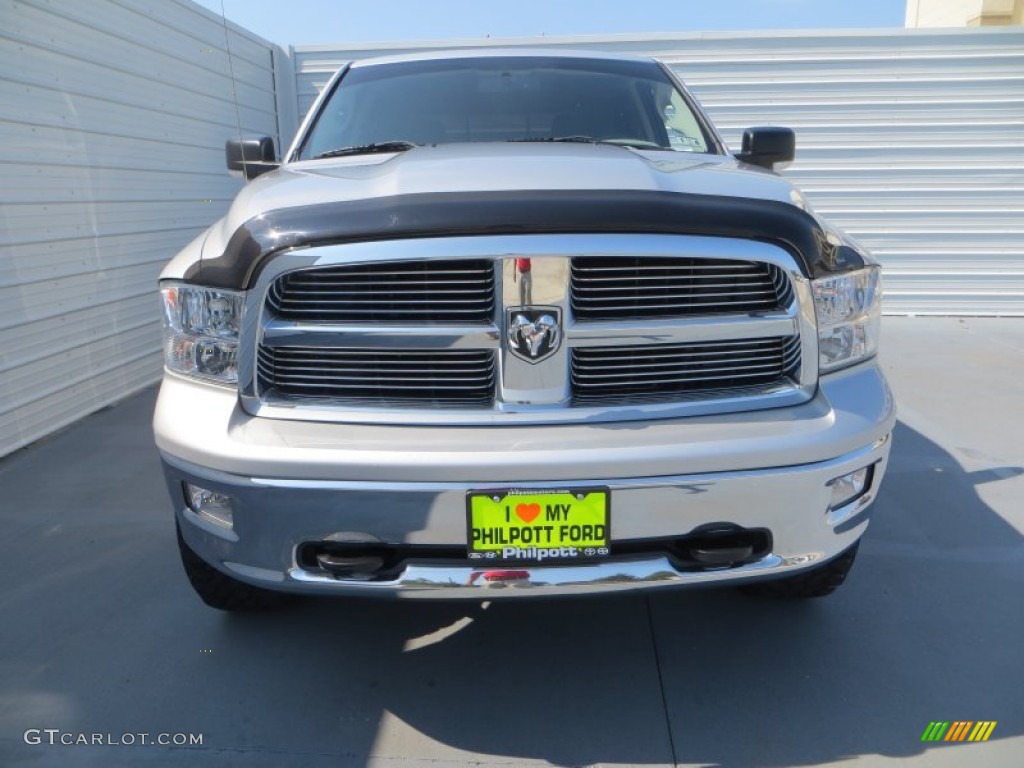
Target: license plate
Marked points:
521	525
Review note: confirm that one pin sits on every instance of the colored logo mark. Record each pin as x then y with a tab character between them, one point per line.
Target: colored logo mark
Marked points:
958	730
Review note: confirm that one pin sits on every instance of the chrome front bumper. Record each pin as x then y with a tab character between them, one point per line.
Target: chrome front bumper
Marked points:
298	482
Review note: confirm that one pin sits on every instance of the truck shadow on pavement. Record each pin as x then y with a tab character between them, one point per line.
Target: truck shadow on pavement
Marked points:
925	629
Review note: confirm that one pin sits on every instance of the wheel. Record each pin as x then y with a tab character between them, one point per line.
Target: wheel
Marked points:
814	582
218	590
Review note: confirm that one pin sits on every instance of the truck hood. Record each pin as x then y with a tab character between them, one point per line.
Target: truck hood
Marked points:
494	189
498	167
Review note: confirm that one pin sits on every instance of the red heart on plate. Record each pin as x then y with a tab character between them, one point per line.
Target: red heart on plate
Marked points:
527	512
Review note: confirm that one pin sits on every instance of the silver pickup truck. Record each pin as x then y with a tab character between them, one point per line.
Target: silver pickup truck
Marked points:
516	323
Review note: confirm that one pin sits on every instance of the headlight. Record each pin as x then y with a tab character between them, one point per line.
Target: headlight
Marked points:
849	312
201	331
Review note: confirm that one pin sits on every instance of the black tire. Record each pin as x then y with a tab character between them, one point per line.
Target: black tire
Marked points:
816	582
220	591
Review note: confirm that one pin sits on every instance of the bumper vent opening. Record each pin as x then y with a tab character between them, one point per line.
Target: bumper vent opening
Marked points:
371	562
721	546
356	567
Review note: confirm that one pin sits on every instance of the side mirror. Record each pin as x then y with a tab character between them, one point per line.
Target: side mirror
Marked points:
250	157
766	146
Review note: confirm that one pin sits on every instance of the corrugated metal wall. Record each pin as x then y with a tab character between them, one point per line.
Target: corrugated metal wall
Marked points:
113	117
912	140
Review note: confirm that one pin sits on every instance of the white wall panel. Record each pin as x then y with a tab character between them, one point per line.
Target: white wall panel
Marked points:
912	140
113	117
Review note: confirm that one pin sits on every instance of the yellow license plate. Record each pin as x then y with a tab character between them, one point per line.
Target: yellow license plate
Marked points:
523	525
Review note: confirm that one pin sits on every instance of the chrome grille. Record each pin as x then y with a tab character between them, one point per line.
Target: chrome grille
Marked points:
417	331
635	288
659	372
377	377
442	291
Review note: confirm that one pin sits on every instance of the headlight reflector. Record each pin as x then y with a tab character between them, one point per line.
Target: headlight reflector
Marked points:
201	328
849	312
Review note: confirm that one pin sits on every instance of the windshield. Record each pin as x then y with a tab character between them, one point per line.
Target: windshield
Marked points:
633	103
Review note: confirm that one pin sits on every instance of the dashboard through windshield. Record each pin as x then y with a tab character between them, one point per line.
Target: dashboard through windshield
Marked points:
488	99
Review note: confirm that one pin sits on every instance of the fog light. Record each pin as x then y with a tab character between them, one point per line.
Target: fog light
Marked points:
210	505
849	488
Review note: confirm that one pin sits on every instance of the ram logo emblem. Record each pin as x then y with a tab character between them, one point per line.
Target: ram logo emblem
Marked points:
534	333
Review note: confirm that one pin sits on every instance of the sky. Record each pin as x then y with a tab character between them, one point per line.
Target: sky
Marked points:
305	22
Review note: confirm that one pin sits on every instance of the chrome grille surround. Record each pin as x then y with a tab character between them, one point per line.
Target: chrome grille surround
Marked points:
525	393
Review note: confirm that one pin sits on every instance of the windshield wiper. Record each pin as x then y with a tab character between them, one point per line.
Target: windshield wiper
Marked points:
627	143
576	139
368	149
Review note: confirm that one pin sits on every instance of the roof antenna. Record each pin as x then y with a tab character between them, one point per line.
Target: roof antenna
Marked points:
231	70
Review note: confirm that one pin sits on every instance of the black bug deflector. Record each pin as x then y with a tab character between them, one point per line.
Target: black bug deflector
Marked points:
524	212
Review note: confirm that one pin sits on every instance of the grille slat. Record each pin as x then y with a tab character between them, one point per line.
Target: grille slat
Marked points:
360	388
451	286
660	372
679	374
393	377
769	358
313	370
679	274
317	314
755	283
417	292
360	377
731	377
412	273
706	292
427	292
630	311
668	265
318	301
613	288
